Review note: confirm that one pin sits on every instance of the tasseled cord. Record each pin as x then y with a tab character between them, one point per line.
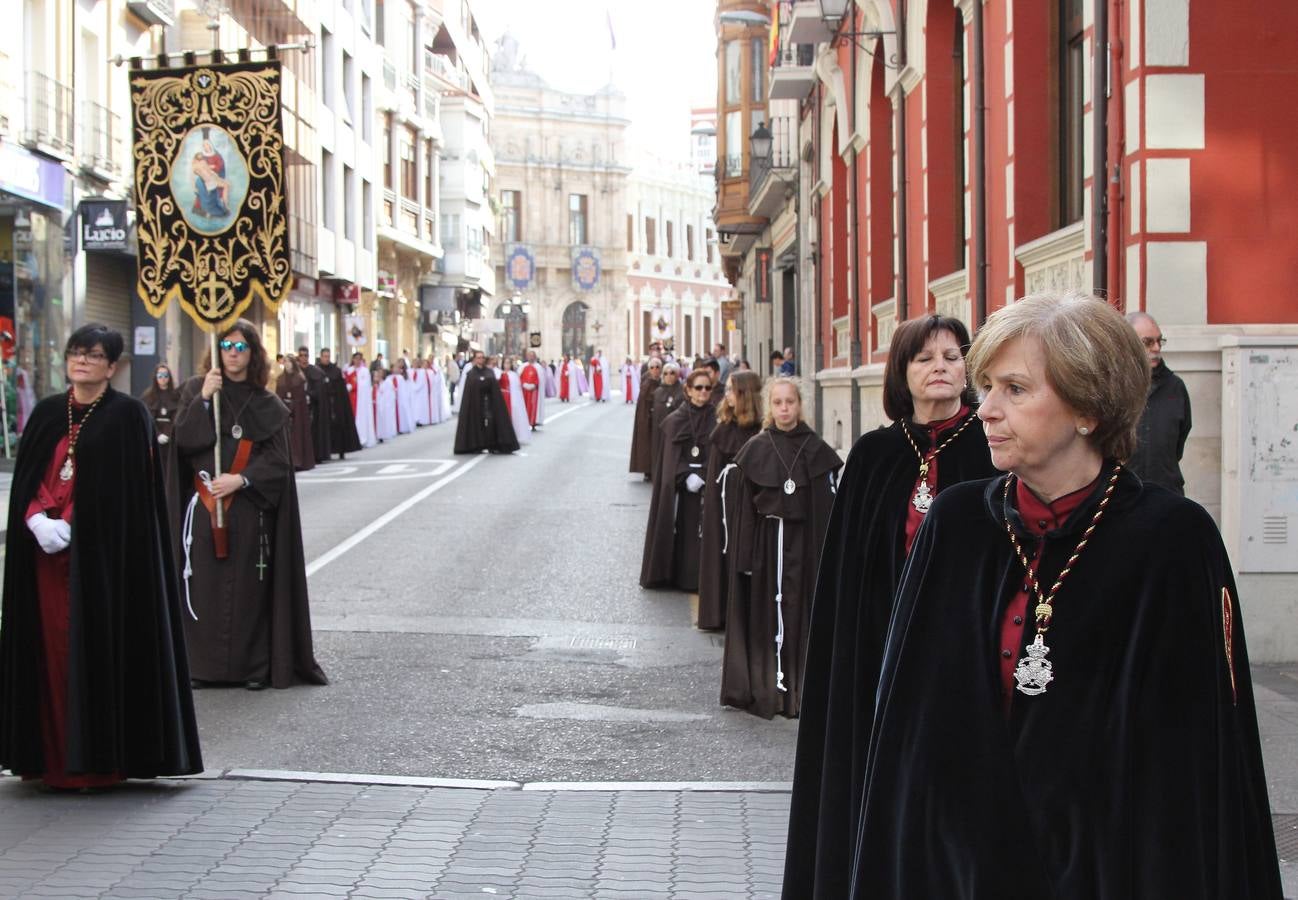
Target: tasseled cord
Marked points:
779	604
187	540
725	526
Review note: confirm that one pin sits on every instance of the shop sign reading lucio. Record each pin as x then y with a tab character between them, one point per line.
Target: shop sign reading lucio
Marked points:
103	224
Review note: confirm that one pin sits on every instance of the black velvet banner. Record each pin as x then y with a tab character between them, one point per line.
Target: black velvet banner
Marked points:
211	217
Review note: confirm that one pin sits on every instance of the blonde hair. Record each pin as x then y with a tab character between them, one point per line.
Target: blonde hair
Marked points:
1094	360
768	418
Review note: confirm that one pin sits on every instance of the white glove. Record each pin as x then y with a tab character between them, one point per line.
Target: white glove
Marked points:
52	534
163	439
693	483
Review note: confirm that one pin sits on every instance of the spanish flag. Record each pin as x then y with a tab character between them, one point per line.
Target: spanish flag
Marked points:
774	37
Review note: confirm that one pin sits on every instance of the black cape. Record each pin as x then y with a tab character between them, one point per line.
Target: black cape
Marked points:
749	666
860	568
672	541
719	521
228	595
343	438
129	707
484	422
1138	774
318	397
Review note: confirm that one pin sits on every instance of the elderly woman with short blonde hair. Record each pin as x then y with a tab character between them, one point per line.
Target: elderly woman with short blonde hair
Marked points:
1065	708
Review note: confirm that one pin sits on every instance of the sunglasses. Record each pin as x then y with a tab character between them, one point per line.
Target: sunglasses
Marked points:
236	346
705	388
93	356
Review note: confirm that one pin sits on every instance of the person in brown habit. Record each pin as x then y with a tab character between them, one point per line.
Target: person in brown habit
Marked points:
671	548
667	398
248	620
290	387
739	417
787	491
642	434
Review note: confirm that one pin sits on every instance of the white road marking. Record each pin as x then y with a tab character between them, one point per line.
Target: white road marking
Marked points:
561	413
392	470
329	556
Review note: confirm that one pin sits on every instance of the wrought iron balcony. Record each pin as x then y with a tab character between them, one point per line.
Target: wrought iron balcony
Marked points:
102	134
771	177
49	120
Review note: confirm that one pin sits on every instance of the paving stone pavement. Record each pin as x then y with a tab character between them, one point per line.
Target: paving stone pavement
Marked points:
230	839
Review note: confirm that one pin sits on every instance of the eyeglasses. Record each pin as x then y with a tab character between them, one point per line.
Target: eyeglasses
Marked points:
705	388
93	356
236	346
1151	343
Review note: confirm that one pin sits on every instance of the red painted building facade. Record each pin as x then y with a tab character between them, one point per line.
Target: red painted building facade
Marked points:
954	155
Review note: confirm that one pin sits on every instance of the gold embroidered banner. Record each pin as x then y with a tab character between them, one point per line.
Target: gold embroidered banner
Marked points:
211	217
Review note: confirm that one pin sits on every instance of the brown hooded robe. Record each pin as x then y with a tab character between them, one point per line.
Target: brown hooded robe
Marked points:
719	522
751	670
671	548
642	433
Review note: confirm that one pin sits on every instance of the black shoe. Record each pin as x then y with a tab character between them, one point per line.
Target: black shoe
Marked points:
255	685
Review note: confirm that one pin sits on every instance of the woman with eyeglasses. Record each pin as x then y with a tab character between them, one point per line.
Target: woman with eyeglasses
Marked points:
672	545
642	430
787	482
94	685
739	417
1065	706
161	399
668	397
247	619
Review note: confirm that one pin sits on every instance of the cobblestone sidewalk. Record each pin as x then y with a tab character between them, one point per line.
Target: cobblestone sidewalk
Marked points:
231	839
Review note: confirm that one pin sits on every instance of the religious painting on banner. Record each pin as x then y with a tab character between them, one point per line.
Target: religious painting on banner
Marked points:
354	330
520	266
211	215
585	268
662	323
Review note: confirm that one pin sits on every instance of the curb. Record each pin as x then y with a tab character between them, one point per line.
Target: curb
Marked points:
746	787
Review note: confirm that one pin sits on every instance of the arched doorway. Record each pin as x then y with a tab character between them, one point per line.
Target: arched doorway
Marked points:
574	329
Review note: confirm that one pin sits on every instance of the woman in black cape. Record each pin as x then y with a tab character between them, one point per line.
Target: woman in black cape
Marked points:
668	397
1065	705
672	544
739	417
642	430
876	515
786	493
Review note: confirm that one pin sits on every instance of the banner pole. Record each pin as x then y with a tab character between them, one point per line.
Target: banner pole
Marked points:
216	425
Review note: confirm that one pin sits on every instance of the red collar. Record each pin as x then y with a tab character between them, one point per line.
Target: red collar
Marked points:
935	428
1039	516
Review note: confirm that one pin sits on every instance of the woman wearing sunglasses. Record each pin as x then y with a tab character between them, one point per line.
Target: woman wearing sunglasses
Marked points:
672	545
240	580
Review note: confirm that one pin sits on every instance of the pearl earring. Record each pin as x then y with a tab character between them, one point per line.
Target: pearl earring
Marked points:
1083	431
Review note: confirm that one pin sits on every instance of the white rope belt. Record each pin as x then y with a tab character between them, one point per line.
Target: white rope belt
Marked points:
725	526
187	540
779	604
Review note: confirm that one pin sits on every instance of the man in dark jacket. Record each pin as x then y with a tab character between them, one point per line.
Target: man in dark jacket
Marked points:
1165	423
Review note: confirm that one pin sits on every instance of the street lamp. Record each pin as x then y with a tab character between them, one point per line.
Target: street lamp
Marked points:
832	13
759	143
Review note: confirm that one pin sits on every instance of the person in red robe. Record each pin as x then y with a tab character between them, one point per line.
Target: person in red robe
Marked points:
530	378
349	376
598	377
94	678
504	377
563	380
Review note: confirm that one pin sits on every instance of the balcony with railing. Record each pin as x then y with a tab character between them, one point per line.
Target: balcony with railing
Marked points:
102	134
48	116
794	74
771	177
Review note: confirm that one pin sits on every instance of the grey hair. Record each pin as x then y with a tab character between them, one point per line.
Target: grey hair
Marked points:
671	367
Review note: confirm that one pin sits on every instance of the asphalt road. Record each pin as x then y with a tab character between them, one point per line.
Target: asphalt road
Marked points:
480	617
